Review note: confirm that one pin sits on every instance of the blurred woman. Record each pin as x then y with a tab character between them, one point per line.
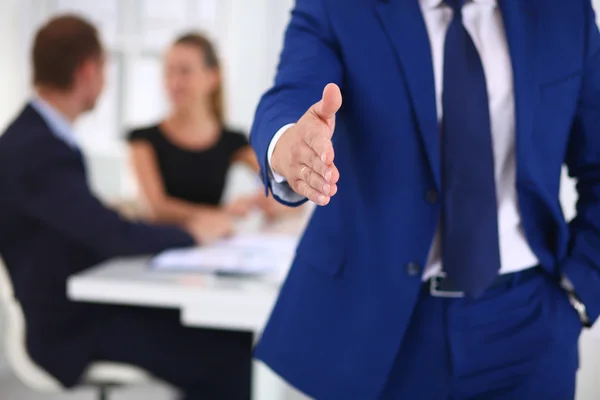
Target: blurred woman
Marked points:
182	162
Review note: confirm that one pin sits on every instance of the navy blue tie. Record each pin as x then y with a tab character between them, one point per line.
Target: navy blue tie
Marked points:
470	248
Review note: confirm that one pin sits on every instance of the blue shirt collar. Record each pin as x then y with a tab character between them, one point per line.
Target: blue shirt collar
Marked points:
57	122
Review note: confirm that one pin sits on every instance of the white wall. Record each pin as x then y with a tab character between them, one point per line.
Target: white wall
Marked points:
12	84
251	46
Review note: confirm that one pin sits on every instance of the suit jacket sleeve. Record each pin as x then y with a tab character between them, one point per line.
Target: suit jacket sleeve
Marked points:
582	266
309	61
55	193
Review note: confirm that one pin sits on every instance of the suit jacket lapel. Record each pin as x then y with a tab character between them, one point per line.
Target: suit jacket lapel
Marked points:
520	25
405	28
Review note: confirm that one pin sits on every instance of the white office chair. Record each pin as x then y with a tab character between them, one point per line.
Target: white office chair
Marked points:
102	376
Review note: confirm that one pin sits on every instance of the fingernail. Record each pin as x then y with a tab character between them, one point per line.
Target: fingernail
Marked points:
328	175
324	157
326	189
321	200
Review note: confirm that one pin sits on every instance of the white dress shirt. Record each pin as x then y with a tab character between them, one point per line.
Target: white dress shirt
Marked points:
483	21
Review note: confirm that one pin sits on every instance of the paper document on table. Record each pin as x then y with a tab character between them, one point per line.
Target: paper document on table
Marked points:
243	254
271	243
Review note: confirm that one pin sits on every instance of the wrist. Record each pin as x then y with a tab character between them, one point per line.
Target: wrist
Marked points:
193	232
277	148
202	211
274	164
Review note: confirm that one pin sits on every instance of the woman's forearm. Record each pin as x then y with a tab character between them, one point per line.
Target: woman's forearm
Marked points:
171	210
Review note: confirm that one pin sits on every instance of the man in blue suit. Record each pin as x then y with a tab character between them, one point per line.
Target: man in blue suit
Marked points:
441	265
51	226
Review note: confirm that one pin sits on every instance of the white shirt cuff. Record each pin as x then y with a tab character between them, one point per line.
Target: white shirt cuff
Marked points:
279	186
276	177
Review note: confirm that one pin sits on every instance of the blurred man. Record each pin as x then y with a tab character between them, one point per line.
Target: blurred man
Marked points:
442	266
51	226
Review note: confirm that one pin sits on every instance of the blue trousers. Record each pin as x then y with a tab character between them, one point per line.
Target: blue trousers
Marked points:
517	342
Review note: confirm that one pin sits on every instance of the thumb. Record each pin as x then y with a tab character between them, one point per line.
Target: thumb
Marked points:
330	103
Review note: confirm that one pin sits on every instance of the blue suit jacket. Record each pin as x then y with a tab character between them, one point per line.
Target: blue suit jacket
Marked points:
344	308
51	226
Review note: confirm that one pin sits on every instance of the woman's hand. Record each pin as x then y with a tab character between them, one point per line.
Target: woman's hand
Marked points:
242	206
208	226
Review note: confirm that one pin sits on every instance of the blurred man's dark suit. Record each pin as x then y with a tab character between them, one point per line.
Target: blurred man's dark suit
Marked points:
52	226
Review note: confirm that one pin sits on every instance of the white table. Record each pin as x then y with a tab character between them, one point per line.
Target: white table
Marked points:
205	301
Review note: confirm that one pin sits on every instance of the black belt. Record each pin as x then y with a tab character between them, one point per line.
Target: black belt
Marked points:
440	286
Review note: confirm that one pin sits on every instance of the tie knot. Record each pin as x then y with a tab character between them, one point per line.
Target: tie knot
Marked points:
456	5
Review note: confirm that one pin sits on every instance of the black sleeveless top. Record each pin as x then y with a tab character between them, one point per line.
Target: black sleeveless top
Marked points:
197	176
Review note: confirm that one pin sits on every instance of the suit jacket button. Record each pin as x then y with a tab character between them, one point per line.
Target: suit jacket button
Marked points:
431	196
413	269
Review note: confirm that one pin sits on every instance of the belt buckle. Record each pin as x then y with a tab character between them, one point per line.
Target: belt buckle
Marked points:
435	291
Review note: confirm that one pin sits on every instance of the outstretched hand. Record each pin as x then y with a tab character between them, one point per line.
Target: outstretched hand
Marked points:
304	154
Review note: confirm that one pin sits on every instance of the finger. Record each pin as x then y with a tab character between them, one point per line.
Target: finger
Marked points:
315	180
320	144
229	227
304	189
329	172
335	175
334	190
330	103
303	155
228	233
